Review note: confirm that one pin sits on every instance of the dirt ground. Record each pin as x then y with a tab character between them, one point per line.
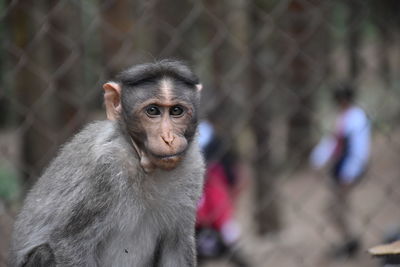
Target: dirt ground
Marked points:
307	235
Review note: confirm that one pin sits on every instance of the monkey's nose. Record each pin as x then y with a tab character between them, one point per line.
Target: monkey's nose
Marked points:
168	139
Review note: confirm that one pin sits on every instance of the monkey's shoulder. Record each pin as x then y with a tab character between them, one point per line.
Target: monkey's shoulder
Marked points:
81	179
99	141
99	138
97	153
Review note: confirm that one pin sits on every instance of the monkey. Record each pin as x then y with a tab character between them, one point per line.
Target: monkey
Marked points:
123	191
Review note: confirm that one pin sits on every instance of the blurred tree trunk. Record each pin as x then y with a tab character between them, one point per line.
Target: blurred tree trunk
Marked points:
170	37
384	46
387	22
354	26
30	86
117	35
227	54
306	73
356	16
5	106
66	68
267	215
219	114
42	78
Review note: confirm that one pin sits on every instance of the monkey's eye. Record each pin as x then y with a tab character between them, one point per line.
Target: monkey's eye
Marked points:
176	111
153	111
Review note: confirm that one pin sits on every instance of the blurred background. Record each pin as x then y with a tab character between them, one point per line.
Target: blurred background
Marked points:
267	68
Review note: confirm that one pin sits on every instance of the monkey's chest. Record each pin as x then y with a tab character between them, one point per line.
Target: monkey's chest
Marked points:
129	249
135	238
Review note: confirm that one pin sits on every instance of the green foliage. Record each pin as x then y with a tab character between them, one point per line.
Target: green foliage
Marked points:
10	188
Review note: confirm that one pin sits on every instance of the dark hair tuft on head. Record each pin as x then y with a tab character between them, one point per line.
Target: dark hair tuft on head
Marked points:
143	73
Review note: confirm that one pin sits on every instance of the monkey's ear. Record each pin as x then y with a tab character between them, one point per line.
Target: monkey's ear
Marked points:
112	100
199	87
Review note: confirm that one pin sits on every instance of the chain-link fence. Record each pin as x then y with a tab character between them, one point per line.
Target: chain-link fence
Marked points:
267	67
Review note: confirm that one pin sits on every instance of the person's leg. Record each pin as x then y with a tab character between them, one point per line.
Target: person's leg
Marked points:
341	220
341	211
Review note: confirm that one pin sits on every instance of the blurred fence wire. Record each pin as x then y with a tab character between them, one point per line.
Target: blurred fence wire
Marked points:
267	69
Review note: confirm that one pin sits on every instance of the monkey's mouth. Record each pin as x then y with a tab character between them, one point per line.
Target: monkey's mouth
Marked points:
169	156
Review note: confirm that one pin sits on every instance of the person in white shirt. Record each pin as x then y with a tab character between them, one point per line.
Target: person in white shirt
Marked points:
348	149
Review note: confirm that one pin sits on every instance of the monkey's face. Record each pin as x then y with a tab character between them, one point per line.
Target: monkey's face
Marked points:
157	105
163	123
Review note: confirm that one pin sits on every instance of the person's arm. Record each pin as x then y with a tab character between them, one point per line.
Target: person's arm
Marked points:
323	152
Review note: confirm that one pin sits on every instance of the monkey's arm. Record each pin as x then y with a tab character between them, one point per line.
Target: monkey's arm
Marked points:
178	249
84	224
182	255
65	226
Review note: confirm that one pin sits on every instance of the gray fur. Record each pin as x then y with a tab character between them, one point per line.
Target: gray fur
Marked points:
95	206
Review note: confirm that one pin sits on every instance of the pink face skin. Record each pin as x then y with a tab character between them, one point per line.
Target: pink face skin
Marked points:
165	123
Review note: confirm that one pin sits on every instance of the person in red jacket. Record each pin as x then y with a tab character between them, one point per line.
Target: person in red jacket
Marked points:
217	230
215	208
